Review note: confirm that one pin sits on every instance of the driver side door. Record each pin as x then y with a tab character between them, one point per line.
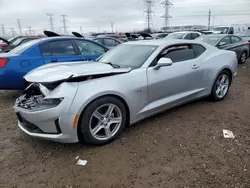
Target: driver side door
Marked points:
178	83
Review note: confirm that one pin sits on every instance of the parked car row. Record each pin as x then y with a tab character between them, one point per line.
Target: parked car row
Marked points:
229	42
92	102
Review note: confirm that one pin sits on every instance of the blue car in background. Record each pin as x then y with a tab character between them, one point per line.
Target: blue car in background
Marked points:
26	57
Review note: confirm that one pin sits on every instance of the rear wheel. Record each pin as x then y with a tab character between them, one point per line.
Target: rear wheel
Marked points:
102	121
243	58
221	86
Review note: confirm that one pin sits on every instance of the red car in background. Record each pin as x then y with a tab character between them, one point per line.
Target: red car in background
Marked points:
7	45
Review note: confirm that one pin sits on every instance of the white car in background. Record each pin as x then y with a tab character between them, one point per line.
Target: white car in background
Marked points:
188	35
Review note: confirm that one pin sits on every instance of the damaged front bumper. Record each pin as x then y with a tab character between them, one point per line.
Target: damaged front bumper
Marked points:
48	117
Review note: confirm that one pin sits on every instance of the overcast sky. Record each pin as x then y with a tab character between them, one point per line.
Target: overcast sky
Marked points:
96	15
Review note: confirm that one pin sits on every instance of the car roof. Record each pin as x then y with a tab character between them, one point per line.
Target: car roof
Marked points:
61	37
220	35
163	42
105	38
186	32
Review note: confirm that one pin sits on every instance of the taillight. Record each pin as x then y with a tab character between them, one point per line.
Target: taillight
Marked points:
3	62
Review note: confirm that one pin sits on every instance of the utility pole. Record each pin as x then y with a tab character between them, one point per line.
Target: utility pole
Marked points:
3	31
213	20
51	21
81	30
12	31
64	24
209	19
19	26
29	27
149	4
166	4
112	27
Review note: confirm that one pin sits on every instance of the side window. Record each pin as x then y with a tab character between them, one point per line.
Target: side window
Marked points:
89	48
117	43
109	42
198	49
231	30
45	51
180	53
227	40
235	39
195	35
98	41
58	48
188	36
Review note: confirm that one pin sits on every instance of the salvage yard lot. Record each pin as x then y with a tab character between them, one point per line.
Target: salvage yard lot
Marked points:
183	147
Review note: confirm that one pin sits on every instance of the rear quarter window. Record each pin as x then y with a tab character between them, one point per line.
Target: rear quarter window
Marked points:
198	49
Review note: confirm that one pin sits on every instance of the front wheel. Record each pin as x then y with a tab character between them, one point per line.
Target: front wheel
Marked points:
102	121
221	86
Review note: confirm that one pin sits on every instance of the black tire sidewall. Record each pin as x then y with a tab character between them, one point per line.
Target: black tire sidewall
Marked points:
241	56
213	93
84	134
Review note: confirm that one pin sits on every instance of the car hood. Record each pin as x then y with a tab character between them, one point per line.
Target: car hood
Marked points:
63	71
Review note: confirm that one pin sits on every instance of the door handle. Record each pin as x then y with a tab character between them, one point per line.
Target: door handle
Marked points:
53	60
195	66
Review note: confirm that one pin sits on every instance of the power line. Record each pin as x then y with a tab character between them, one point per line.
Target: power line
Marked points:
81	30
112	27
51	21
149	4
19	26
3	30
13	31
30	30
166	4
209	19
64	21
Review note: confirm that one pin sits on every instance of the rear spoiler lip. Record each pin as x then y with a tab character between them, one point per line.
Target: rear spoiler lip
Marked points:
51	33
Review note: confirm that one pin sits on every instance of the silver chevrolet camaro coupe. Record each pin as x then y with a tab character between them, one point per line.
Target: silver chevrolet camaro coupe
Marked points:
92	102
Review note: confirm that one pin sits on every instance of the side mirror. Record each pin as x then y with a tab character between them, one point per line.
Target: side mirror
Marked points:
222	44
163	62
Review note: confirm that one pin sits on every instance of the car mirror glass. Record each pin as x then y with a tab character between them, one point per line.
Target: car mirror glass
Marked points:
222	44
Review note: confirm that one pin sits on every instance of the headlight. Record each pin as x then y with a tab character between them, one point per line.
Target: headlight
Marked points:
53	102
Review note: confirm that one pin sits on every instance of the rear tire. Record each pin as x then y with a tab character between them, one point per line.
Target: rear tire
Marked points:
221	86
102	121
243	58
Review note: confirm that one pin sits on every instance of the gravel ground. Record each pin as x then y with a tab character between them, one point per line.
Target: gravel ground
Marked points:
183	147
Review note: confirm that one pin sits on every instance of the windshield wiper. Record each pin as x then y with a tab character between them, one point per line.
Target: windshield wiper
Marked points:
114	65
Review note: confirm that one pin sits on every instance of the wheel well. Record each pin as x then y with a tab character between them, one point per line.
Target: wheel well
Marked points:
230	74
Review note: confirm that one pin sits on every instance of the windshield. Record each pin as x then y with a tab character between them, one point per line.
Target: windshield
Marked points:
20	49
16	42
175	36
210	39
245	33
128	55
223	30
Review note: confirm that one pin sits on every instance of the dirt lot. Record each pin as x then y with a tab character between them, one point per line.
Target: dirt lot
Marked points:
183	147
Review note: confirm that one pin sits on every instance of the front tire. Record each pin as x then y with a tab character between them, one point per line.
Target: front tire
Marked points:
102	121
221	86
